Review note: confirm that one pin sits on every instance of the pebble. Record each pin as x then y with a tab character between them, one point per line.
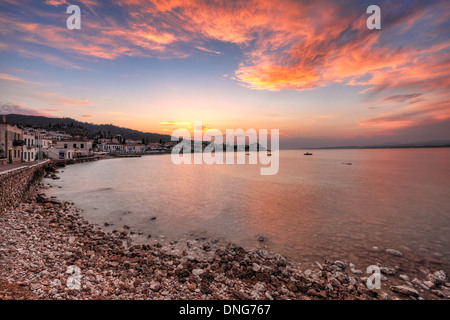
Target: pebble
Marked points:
394	252
388	271
256	267
404	277
340	264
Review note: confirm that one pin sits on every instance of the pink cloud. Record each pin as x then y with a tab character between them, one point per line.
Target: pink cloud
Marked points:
13	108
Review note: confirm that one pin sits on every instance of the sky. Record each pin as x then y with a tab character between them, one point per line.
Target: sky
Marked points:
311	69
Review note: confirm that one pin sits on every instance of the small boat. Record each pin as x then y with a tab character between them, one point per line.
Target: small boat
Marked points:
308	154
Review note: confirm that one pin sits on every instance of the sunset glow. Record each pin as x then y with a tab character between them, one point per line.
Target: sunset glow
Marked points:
309	68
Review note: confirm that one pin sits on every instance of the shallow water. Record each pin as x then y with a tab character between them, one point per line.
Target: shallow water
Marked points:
315	207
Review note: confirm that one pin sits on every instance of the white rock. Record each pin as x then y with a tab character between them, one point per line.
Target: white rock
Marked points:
256	267
404	277
198	272
394	252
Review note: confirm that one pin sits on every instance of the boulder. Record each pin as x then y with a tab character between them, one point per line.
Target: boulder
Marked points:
405	290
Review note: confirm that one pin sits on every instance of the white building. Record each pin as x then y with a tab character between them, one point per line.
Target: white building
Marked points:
60	153
29	147
155	146
111	147
79	147
134	148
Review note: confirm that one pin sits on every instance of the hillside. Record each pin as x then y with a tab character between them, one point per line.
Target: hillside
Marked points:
90	130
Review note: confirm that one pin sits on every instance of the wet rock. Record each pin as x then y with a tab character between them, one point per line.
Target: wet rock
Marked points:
280	260
405	290
419	284
404	277
394	252
388	271
256	267
439	277
444	292
340	264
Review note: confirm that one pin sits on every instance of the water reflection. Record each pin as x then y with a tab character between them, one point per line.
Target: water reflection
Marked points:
314	207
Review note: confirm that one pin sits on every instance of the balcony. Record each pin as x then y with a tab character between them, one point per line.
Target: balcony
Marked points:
18	143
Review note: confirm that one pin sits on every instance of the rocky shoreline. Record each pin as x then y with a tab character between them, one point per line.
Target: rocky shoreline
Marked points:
41	237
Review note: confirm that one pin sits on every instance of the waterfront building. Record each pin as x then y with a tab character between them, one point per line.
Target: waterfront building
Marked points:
11	142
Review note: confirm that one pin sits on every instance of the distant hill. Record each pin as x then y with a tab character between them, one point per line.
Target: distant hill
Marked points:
90	130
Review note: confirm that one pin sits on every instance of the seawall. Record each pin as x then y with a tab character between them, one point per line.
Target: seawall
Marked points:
16	185
19	184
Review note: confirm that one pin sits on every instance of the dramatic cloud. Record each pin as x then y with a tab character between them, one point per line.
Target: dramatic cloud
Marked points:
288	44
402	70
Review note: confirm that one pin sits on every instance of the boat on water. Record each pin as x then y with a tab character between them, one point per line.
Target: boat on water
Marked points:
308	154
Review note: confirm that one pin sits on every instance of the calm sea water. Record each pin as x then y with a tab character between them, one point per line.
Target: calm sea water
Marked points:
316	207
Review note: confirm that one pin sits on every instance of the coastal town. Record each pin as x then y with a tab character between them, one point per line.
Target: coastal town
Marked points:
28	144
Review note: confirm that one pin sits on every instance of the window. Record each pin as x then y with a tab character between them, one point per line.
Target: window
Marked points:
32	156
74	145
82	146
65	145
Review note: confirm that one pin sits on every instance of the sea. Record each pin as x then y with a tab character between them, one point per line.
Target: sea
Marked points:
345	204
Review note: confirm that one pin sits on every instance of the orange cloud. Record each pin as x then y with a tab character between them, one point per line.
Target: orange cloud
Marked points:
287	44
59	99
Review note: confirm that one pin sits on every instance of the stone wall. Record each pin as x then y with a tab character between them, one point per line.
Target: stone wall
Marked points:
17	185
